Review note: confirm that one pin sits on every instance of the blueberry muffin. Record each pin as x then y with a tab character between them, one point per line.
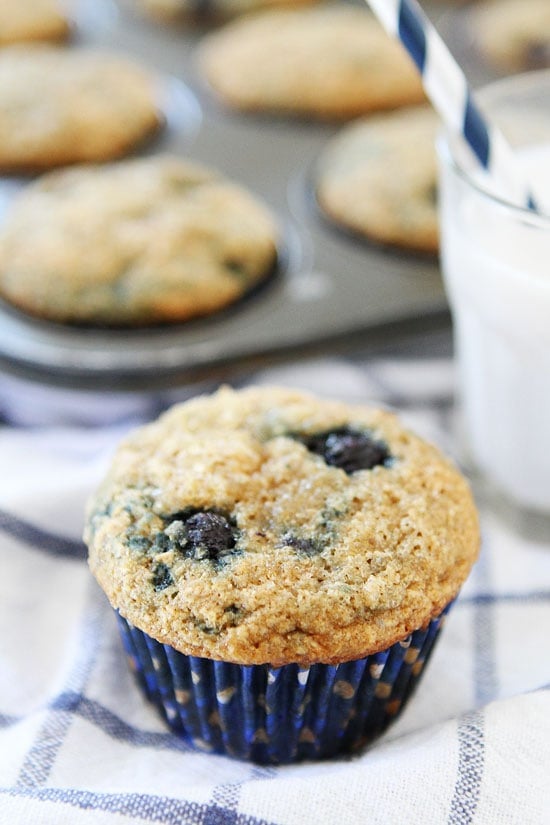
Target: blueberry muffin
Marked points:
280	565
29	20
378	177
323	62
513	35
150	240
185	10
60	106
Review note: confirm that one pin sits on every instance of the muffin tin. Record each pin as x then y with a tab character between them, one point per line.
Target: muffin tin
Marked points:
328	285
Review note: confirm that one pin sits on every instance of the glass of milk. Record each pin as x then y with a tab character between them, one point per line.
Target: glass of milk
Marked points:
496	267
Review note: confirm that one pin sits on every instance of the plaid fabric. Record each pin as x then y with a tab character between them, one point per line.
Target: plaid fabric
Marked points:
79	744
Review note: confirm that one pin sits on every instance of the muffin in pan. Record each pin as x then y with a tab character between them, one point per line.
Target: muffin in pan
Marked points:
60	106
326	62
143	241
378	178
512	35
23	21
280	566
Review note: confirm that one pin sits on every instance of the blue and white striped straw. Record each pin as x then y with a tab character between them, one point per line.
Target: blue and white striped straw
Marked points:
448	90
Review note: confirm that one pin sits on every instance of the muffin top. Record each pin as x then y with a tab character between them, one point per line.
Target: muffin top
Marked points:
60	106
513	35
30	20
269	526
378	177
327	61
151	240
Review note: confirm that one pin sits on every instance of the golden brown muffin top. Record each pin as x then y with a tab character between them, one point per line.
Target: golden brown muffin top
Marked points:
60	106
378	177
267	525
513	35
149	240
24	21
327	61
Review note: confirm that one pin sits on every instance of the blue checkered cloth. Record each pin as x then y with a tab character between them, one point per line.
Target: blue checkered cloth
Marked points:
79	744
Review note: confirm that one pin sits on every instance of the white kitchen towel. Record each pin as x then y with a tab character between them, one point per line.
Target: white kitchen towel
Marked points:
79	744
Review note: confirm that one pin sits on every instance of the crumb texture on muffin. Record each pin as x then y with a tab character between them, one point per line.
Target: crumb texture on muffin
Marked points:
157	239
378	177
326	61
268	526
60	106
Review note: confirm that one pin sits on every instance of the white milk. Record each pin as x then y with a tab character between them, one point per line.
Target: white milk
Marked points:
497	272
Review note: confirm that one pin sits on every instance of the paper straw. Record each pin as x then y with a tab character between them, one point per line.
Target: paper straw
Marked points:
448	90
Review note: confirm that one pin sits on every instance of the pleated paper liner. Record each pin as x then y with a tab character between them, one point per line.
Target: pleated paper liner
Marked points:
277	715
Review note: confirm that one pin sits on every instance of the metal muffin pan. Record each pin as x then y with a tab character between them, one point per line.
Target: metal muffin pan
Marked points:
328	285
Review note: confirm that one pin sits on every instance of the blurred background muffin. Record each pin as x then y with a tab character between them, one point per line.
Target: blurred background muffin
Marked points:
30	20
60	106
513	35
327	62
378	177
157	239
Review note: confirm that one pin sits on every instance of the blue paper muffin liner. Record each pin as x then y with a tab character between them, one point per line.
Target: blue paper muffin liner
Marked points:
277	715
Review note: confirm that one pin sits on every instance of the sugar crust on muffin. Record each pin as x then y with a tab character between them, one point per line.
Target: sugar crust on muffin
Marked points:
309	561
